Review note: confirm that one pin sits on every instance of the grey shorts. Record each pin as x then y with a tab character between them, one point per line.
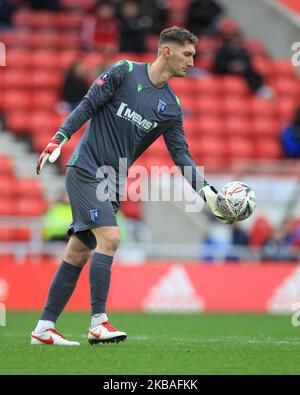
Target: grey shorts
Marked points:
88	211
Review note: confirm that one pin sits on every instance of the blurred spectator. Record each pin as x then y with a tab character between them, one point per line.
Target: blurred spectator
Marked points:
239	235
49	5
157	11
260	232
202	17
57	220
2	122
278	246
239	238
290	137
75	84
7	10
100	29
133	28
233	58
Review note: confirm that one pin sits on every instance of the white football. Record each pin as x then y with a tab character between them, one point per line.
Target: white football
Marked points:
236	201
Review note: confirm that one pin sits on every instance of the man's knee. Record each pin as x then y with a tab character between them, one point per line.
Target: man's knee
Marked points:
76	253
77	258
108	239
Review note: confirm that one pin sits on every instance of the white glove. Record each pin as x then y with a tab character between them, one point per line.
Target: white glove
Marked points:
209	194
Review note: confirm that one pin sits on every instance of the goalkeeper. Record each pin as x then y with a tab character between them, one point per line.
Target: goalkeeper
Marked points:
129	107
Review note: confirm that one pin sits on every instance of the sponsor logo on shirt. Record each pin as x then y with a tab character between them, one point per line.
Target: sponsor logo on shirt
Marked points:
161	106
130	115
94	214
102	79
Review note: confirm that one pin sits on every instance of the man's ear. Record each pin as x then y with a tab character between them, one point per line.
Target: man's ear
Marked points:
167	50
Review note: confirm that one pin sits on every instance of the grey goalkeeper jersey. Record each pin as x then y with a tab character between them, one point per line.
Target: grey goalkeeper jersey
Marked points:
127	114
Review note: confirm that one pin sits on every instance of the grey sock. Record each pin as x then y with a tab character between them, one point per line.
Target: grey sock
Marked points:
100	270
61	289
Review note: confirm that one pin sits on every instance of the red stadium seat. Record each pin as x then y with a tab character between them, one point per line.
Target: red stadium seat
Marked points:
68	20
17	79
132	210
44	100
238	125
266	127
46	79
256	47
285	87
210	125
212	163
8	187
283	68
78	4
44	59
227	26
182	86
263	107
209	86
234	86
20	38
66	58
18	121
210	145
207	46
31	207
286	109
19	58
14	234
7	207
240	148
263	65
29	188
209	105
14	100
268	148
22	17
44	39
235	105
44	121
7	167
158	148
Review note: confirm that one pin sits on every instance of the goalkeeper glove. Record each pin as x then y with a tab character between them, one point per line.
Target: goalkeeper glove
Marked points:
209	194
52	151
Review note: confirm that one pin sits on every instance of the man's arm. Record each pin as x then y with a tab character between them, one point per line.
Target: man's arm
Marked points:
103	88
177	145
99	93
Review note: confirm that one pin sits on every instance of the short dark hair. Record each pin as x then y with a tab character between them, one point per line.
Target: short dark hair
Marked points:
177	35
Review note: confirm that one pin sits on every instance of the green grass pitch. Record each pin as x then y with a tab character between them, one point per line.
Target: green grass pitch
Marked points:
158	344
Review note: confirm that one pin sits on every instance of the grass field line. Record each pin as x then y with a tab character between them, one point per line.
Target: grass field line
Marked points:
216	339
196	339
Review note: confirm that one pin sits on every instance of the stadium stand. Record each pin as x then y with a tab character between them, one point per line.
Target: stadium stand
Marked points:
221	115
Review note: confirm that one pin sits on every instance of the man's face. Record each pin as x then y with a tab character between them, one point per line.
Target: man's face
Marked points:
180	58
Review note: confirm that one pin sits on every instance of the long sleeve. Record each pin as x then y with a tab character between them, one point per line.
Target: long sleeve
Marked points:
99	93
177	145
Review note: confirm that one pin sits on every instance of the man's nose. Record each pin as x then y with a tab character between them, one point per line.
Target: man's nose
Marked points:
190	63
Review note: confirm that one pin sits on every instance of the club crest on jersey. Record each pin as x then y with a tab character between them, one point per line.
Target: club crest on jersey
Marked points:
102	79
94	214
161	106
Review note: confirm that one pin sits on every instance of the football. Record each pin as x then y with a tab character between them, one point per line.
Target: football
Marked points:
236	201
